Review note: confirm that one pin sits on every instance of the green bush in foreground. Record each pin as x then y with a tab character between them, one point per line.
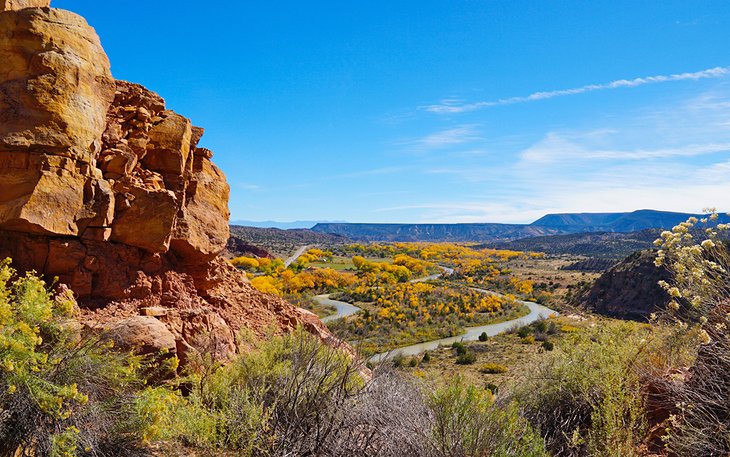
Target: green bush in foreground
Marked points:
548	345
286	394
587	399
60	394
469	423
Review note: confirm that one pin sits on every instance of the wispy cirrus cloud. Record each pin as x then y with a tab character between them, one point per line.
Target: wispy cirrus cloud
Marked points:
555	147
371	172
444	138
249	186
452	106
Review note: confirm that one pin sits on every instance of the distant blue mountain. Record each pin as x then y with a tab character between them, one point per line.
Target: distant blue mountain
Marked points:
616	222
281	225
551	224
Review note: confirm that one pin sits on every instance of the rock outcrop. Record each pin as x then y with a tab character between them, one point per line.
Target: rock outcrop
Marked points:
14	5
106	189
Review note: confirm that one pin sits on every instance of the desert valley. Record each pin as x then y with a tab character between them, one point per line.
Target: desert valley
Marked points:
137	320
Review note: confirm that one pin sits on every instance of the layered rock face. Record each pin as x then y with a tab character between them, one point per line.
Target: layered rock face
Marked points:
106	189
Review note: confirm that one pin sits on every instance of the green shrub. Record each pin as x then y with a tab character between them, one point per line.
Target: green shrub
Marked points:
398	360
523	332
493	368
468	423
60	392
586	399
548	345
483	337
426	357
413	362
467	358
529	339
540	326
286	395
459	347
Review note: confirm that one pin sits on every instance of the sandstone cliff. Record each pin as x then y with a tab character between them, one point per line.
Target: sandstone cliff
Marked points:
106	189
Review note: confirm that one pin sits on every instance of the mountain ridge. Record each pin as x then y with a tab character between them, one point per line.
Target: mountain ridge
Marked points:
550	224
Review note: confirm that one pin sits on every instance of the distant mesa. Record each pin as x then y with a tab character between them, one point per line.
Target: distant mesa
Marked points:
281	225
551	224
614	222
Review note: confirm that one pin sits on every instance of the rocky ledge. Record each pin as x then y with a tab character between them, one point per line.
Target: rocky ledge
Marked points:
104	188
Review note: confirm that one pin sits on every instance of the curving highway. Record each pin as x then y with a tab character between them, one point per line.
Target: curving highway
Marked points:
537	312
296	255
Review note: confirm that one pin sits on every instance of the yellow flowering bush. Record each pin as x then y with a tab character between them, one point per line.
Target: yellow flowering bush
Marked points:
696	253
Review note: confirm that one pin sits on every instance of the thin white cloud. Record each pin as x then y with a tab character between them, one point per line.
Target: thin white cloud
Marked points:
454	106
371	172
445	138
555	147
717	172
581	197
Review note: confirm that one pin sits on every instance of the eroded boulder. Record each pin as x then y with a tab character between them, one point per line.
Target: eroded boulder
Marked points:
56	84
55	90
15	5
142	335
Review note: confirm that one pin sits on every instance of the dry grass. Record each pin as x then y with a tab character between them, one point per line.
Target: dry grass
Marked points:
505	349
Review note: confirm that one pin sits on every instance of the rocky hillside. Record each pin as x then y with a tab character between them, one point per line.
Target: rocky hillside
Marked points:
433	232
104	188
276	241
629	289
600	245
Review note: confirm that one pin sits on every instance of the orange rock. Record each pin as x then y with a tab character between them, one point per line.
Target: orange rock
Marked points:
202	231
104	188
14	5
56	84
144	218
55	89
169	145
142	334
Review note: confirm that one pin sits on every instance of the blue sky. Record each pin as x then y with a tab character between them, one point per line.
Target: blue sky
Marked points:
441	111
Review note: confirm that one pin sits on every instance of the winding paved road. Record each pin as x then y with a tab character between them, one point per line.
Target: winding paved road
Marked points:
345	309
446	272
296	255
537	312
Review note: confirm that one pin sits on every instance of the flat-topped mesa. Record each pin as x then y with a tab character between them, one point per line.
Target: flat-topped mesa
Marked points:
15	5
104	188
